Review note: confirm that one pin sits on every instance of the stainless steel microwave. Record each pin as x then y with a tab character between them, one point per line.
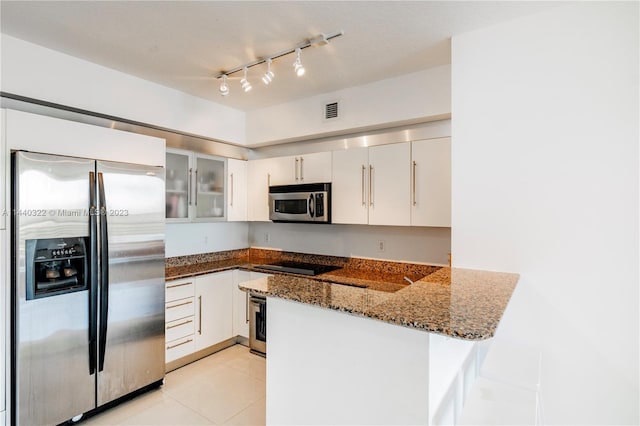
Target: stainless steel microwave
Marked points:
308	202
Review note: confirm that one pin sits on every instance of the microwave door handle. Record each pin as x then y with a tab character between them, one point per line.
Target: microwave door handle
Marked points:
311	205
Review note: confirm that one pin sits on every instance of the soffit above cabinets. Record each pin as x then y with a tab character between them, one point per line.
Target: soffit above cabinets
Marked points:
182	44
174	139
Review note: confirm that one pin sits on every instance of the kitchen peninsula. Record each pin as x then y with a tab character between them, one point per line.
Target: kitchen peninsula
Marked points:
405	368
361	345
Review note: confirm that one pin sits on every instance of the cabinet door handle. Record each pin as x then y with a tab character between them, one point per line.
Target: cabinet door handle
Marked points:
231	195
268	185
362	184
179	285
197	189
296	168
370	185
189	186
199	314
413	176
178	325
246	307
301	168
179	304
179	344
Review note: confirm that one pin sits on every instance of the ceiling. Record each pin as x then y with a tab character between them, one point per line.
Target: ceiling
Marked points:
181	44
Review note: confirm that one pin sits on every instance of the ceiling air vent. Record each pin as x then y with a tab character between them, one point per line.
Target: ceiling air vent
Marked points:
331	110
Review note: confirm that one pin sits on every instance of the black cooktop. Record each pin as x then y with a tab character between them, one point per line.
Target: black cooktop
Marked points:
298	268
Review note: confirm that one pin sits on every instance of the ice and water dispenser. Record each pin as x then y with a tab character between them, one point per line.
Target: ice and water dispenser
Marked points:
56	266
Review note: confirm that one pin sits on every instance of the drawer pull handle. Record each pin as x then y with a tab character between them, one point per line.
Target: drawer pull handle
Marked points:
200	315
178	325
179	285
179	344
180	304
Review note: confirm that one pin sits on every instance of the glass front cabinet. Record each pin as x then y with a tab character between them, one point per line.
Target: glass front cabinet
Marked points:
195	187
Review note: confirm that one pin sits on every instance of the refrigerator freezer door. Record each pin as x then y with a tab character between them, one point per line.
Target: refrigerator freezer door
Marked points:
131	329
51	341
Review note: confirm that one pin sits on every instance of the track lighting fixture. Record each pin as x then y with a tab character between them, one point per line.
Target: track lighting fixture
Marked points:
319	40
268	76
224	88
297	65
244	83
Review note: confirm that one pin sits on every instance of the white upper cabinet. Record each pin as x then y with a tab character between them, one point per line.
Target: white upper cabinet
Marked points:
258	190
372	185
431	183
195	186
389	184
308	168
209	183
314	168
178	185
349	189
237	190
281	170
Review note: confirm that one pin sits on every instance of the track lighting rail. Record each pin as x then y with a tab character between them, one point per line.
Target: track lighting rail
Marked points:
319	40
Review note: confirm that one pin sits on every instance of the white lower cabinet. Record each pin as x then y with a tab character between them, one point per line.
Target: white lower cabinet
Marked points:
198	313
179	309
240	305
213	309
178	348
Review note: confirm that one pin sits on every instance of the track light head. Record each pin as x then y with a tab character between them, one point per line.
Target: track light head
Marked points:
297	65
224	87
244	83
268	76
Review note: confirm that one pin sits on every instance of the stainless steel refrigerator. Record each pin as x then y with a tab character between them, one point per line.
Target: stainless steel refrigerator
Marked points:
88	284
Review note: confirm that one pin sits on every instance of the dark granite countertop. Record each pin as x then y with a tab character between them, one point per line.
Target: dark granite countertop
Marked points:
461	303
208	267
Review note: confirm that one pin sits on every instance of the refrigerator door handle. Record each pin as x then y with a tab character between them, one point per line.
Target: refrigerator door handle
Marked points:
104	273
93	283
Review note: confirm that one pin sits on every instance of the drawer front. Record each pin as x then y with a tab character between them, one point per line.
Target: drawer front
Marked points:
179	328
179	309
177	290
178	348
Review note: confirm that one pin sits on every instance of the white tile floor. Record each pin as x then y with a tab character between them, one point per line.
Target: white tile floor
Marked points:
226	388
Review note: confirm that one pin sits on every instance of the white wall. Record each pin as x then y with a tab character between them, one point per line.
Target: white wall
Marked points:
332	368
182	239
545	183
407	98
411	244
34	71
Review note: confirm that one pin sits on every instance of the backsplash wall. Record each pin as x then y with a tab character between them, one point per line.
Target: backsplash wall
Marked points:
414	244
182	239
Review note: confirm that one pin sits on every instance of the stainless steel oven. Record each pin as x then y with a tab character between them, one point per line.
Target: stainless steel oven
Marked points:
258	324
309	202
